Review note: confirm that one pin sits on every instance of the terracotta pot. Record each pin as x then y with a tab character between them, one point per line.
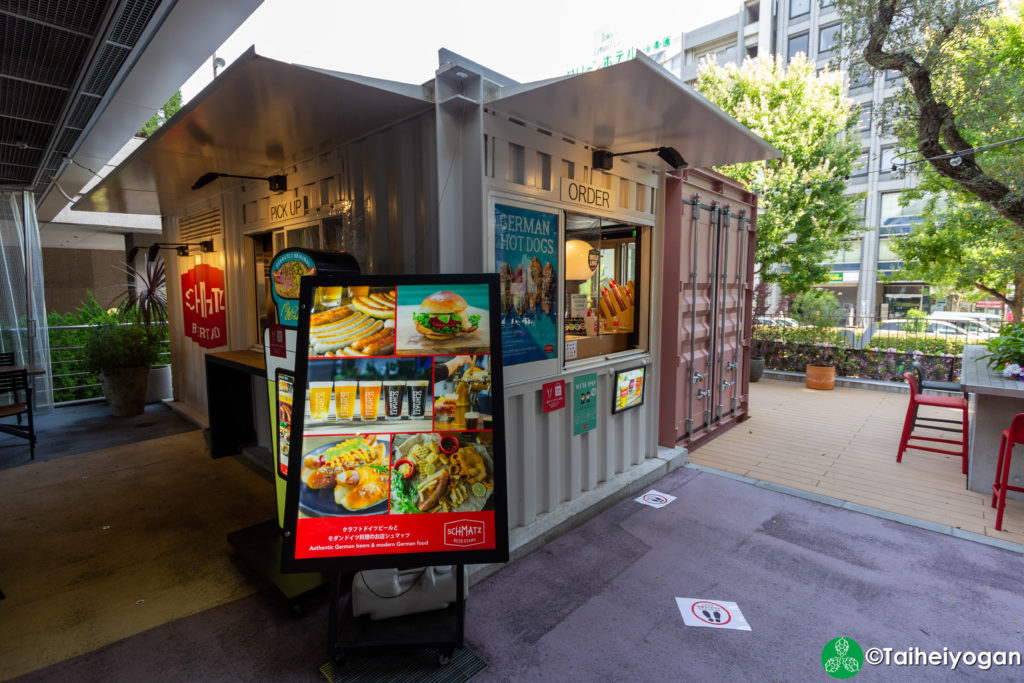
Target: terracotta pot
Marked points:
125	390
821	376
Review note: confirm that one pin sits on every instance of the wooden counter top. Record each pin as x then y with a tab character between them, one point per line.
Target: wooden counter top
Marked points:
245	360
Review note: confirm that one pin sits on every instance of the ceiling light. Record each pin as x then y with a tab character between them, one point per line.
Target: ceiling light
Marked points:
278	183
602	158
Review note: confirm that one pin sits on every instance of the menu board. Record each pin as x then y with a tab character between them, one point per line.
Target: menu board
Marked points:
629	389
397	432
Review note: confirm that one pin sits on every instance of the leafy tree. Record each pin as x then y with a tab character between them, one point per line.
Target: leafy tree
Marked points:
162	115
816	307
809	119
963	65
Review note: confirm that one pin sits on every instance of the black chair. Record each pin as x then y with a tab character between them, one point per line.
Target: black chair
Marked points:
15	388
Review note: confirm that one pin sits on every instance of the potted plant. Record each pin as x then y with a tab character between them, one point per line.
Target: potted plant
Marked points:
1006	351
122	352
145	301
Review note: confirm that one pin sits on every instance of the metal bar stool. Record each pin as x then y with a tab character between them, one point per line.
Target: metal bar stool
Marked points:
1011	436
934	385
917	400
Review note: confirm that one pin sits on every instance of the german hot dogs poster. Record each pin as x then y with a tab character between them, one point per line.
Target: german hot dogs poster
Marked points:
396	405
526	257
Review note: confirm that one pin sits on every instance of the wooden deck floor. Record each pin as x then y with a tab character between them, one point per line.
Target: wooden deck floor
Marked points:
843	444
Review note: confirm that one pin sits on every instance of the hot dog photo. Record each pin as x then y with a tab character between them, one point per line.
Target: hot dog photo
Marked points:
451	472
344	475
442	320
354	322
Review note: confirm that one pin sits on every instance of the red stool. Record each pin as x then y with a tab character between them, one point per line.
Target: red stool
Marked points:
916	401
1011	436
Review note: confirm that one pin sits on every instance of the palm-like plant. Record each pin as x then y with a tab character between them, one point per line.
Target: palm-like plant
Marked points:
146	300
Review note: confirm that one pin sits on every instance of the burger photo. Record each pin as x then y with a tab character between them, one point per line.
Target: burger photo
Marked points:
441	316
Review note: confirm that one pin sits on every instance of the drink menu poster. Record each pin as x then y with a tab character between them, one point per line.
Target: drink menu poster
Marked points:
397	436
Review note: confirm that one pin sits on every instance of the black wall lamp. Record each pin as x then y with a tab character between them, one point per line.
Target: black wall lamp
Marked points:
603	158
278	183
181	247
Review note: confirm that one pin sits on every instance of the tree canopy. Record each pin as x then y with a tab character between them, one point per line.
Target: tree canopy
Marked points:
165	112
806	116
963	65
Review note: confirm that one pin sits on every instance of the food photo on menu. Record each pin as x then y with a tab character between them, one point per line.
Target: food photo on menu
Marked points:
450	320
451	472
352	322
344	475
462	392
368	394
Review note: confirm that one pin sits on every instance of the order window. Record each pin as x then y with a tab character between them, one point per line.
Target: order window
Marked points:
605	286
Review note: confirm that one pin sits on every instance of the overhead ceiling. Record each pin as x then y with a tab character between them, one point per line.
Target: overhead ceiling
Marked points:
58	60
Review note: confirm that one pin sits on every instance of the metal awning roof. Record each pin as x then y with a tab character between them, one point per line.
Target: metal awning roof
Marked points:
259	116
634	105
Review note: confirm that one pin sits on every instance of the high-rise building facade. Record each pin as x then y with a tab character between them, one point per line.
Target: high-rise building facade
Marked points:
787	27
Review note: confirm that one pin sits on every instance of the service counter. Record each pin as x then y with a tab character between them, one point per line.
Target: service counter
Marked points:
233	406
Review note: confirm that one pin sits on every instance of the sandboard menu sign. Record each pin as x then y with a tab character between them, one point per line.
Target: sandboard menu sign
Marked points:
397	453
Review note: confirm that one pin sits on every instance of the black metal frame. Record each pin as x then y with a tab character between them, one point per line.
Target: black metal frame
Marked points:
352	564
643	389
13	381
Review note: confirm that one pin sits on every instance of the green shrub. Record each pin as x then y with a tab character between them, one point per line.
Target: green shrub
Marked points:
816	307
1008	347
933	345
113	345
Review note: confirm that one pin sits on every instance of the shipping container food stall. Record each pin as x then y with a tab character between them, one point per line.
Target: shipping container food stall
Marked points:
625	272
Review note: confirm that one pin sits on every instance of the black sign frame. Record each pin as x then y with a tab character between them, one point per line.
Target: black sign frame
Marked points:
615	389
354	563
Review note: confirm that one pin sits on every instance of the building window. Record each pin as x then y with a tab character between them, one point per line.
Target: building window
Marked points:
896	219
752	51
860	77
887	159
826	3
860	210
753	12
848	254
604	307
828	38
798	43
799	8
861	169
864	120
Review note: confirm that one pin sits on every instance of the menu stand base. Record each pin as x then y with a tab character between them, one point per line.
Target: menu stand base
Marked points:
442	629
259	546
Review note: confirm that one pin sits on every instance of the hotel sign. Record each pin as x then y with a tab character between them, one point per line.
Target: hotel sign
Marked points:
590	196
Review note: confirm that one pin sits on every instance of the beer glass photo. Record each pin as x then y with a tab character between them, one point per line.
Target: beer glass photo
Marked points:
394	393
319	400
369	398
418	397
329	297
345	399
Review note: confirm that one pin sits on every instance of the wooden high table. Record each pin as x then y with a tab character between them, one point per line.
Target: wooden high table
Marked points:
996	400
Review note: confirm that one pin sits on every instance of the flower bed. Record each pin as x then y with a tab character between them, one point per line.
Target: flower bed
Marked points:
793	352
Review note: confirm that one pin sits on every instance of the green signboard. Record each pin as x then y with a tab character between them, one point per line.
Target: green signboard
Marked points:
834	277
584	403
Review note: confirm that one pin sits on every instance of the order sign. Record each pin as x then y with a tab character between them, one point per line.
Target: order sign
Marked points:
397	442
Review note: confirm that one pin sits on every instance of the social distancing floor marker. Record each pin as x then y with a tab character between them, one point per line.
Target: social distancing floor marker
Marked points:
656	499
712	613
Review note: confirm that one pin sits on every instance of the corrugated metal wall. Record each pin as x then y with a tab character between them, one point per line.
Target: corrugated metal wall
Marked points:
708	285
387	177
547	465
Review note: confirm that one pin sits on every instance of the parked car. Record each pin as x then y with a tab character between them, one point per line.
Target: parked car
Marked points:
932	328
958	317
775	321
973	326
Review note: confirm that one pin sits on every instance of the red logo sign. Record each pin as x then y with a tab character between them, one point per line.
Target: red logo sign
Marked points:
554	395
464	533
205	313
278	341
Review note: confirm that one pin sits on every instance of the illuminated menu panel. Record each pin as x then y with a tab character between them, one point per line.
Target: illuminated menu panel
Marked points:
397	443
